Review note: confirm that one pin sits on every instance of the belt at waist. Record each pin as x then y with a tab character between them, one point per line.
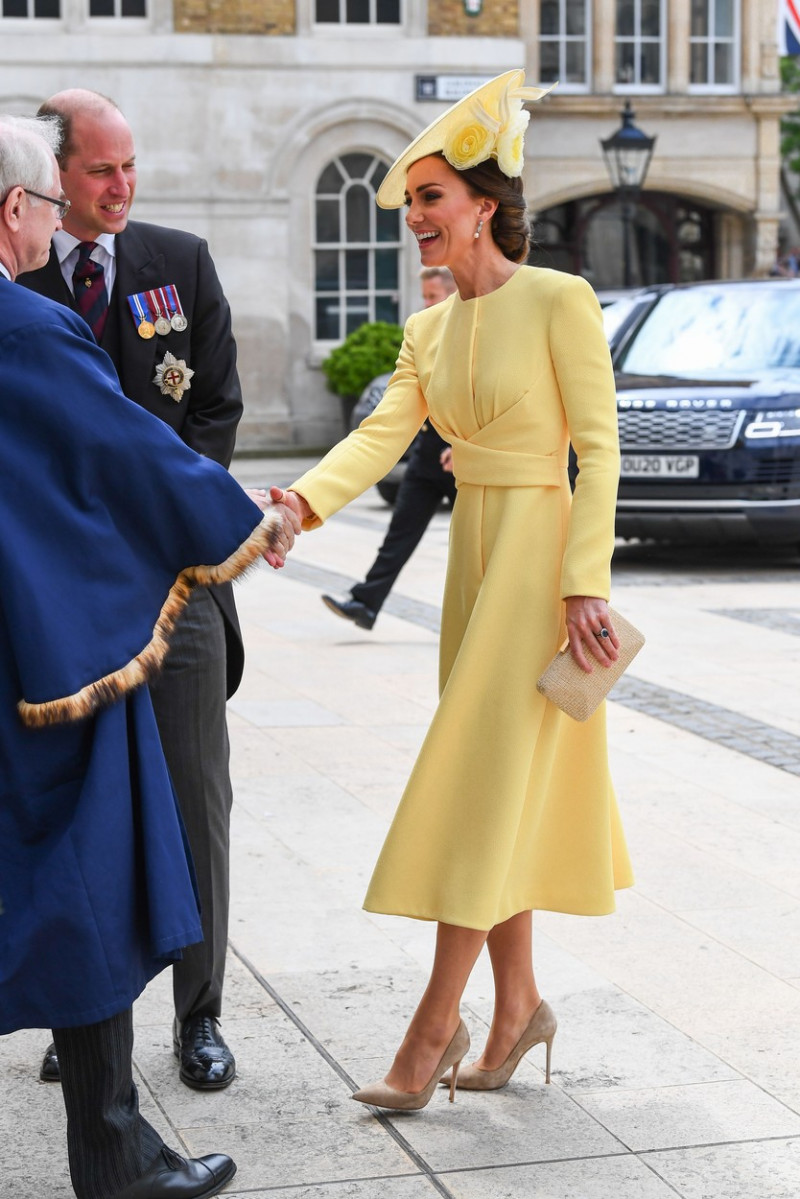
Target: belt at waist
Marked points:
505	468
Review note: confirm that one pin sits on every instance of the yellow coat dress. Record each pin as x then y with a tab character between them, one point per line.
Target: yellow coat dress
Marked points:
509	806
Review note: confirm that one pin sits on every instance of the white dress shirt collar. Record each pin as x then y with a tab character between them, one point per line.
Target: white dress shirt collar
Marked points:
66	247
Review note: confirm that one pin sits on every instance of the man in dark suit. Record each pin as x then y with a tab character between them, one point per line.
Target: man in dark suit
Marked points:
96	888
154	302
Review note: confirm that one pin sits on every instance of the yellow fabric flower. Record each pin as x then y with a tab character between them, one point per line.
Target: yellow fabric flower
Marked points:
482	135
511	145
473	141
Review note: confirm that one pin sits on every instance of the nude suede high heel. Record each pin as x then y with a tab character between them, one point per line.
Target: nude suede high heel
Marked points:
379	1094
541	1027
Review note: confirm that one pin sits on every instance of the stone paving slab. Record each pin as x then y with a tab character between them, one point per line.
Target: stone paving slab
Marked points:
314	1152
602	1178
638	1049
780	620
773	746
752	1170
32	1124
707	1113
409	1187
530	1123
767	935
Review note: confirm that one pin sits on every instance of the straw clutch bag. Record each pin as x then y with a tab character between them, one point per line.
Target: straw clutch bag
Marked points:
578	693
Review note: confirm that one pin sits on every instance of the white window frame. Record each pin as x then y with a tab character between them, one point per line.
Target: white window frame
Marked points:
735	40
637	39
373	24
341	247
117	14
12	23
413	22
75	19
562	38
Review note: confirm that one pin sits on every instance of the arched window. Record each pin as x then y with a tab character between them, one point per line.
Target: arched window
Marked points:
356	248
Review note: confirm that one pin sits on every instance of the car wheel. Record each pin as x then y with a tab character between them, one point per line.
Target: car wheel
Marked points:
387	491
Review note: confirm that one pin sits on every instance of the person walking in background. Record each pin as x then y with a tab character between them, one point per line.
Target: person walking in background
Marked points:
428	479
96	885
510	806
154	302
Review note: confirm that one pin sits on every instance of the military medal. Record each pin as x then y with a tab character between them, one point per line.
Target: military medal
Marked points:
172	377
163	327
164	303
144	326
177	320
159	304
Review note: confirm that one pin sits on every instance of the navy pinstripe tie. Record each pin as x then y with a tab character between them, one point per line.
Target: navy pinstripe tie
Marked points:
89	287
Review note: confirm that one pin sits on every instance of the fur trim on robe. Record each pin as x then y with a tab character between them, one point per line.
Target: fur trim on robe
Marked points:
147	664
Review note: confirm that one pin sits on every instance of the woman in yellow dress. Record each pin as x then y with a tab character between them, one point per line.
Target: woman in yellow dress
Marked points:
509	807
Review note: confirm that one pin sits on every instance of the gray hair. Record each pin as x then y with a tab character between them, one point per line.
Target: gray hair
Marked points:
25	160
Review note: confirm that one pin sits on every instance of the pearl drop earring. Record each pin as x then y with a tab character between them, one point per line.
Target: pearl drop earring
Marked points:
478	230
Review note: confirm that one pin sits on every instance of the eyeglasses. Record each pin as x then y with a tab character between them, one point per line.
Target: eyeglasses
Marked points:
62	207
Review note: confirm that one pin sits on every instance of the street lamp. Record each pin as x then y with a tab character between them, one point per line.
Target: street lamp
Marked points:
627	155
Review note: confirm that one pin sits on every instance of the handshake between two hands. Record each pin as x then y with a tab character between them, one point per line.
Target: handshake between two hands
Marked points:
291	508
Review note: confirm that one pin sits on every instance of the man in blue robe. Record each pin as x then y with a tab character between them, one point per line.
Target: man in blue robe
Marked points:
96	884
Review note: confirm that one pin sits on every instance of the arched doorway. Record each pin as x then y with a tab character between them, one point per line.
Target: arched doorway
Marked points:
670	239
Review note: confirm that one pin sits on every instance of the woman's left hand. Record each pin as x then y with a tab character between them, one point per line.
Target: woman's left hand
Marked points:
589	626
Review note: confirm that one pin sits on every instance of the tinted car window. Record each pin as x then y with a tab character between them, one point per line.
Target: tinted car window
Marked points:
615	314
619	314
718	333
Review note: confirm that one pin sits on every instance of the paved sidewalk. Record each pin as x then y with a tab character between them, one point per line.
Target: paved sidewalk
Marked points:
676	1068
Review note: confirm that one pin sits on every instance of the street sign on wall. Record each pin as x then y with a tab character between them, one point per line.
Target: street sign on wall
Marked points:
447	87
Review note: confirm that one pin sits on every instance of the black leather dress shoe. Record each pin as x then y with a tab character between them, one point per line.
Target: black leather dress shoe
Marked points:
207	1063
353	610
50	1071
174	1177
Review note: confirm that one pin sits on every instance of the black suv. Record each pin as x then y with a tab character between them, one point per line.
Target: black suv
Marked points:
708	395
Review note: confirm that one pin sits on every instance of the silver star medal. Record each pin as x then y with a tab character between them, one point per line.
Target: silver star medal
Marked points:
172	376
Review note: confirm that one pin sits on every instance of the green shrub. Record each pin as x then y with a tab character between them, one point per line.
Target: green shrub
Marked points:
369	350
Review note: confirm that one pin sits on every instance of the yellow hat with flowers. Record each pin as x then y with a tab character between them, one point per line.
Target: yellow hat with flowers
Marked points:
488	123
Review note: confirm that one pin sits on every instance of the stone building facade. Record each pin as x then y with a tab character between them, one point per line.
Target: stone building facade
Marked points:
265	125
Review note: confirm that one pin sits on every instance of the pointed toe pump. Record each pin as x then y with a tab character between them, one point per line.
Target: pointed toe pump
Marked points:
541	1027
379	1094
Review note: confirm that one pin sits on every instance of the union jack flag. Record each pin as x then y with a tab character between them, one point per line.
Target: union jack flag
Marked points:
789	27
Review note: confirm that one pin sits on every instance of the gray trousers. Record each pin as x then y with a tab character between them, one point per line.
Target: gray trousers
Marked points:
109	1142
189	702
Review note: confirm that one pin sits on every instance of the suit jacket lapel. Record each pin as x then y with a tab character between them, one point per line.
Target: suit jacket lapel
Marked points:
50	282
